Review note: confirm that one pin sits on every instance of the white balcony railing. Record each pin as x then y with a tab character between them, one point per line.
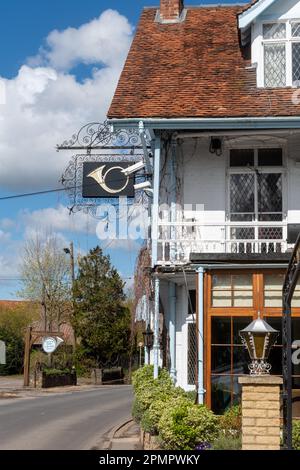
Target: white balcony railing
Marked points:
176	241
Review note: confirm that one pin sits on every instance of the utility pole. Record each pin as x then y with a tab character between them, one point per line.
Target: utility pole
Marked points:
70	251
27	356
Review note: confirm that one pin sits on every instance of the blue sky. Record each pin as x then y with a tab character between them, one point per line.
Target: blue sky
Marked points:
56	79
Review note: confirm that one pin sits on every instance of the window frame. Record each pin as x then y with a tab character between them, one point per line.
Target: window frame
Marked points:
258	306
263	170
288	41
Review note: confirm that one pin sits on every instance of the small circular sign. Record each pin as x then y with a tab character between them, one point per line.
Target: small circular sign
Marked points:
141	344
49	345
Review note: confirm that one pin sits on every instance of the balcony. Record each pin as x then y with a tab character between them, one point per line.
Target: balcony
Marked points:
176	241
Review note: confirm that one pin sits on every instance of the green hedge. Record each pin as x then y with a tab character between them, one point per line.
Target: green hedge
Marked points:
170	413
56	372
296	435
183	426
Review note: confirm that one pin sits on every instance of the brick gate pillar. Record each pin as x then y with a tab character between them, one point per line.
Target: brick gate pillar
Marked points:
261	412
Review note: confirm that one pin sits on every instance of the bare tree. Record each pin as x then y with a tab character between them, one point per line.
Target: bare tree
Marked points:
46	279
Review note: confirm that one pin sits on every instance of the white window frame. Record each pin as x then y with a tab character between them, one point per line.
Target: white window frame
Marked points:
288	41
262	169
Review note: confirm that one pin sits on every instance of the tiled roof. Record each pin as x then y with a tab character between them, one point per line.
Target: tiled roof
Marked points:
11	304
194	69
65	328
249	5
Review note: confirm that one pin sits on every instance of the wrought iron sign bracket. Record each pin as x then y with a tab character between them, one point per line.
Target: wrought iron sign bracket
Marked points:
96	144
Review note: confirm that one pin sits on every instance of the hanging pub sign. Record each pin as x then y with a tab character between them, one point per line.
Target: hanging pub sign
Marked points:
106	180
95	175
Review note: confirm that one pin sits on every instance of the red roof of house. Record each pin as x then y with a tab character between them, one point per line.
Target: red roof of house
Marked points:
11	304
196	68
65	328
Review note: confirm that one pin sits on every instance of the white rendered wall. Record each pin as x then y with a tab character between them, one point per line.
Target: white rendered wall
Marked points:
204	177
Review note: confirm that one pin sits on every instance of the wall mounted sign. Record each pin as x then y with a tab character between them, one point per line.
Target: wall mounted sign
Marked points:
106	180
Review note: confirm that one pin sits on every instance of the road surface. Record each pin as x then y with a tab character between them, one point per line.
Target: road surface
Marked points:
68	421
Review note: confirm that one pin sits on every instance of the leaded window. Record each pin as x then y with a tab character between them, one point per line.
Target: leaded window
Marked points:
255	200
281	42
256	190
191	354
275	65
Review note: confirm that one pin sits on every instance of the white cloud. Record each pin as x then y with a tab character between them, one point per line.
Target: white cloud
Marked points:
46	104
58	220
102	40
7	224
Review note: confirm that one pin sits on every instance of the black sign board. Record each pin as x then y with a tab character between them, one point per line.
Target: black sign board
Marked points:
106	180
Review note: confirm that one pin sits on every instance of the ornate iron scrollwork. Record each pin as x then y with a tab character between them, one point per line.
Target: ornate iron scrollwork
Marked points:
73	177
120	145
97	135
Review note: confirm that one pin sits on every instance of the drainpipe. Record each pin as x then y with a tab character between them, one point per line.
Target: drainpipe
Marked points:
172	329
156	327
200	336
155	207
147	324
172	189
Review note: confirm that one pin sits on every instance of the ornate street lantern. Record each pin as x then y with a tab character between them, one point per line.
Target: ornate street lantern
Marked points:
148	338
259	337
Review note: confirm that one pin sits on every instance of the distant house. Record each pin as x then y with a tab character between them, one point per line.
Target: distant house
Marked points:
217	87
65	329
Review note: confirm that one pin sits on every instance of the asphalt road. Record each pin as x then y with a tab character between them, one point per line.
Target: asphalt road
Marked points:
69	421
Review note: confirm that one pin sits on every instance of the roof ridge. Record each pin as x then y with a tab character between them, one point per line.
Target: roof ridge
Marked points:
206	5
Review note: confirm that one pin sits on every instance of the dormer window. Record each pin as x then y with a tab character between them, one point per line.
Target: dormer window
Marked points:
281	44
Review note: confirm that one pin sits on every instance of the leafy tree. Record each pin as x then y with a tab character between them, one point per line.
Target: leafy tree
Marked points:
101	319
45	272
14	318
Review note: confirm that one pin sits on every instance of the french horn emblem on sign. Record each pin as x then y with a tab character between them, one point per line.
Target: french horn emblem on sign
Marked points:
106	180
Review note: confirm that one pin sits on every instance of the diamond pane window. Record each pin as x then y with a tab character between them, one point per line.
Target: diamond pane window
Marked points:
270	196
192	354
274	31
296	30
242	197
275	63
296	61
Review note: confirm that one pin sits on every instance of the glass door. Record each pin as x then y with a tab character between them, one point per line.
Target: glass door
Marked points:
228	360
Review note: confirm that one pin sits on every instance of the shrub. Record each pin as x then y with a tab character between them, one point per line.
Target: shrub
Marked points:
191	395
137	411
152	416
56	372
227	443
147	389
231	422
141	376
183	426
296	435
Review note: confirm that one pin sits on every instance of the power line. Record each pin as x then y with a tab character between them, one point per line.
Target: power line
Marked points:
56	190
